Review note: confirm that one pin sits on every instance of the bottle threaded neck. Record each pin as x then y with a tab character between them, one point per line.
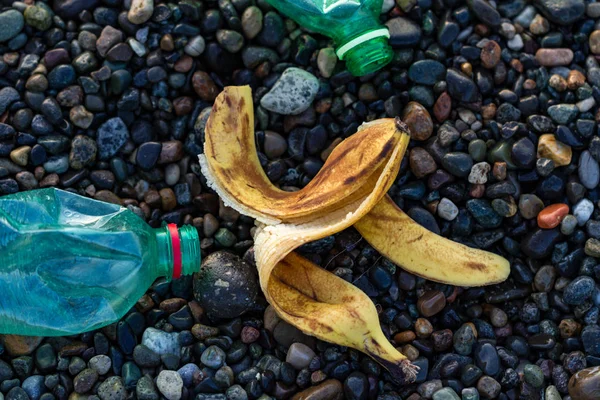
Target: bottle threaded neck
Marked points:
178	250
367	52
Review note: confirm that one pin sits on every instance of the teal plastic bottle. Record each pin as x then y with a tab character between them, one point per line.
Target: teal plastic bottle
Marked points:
361	39
70	264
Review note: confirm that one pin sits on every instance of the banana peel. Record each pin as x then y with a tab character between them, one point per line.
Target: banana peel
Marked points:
349	190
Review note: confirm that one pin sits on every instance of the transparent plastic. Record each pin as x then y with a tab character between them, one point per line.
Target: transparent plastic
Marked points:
353	24
70	264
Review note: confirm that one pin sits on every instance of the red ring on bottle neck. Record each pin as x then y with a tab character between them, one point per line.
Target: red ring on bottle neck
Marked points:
176	245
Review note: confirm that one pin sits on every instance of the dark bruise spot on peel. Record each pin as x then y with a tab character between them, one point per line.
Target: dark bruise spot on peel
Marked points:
349	180
476	266
416	239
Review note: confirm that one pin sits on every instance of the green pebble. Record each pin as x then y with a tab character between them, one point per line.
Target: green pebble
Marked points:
533	375
39	17
584	92
225	238
501	152
445	394
119	81
131	374
470	394
563	114
119	168
568	224
552	393
477	150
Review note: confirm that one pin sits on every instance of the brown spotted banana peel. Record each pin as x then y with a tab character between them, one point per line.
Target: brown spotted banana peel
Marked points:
352	182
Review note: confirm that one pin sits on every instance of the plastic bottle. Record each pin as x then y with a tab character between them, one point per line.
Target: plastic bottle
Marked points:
70	264
362	41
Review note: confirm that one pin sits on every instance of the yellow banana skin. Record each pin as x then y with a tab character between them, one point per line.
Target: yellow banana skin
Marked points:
426	254
349	189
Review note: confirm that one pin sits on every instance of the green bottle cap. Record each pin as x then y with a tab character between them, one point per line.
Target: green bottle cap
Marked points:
178	250
367	52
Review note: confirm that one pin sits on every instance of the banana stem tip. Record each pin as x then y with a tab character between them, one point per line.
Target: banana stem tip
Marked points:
409	370
401	125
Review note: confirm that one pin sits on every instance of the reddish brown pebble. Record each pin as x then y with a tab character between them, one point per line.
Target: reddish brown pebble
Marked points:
183	105
529	84
432	206
482	30
551	216
443	107
106	196
169	306
204	86
405	337
167	198
477	190
144	304
418	120
323	105
490	54
488	111
575	80
184	64
171	151
249	334
554	57
431	303
585	384
499	170
516	65
421	162
331	389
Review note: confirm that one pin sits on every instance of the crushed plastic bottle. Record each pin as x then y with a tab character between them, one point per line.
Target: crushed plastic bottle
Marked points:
353	24
70	264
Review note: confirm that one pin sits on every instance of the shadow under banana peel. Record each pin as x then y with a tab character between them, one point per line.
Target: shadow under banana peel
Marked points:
349	190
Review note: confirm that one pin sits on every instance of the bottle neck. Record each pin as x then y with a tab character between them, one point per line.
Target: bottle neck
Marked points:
366	52
178	250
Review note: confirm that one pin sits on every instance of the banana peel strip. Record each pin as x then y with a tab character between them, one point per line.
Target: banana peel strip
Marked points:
352	182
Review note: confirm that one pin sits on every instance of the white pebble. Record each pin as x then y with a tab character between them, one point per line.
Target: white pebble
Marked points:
526	16
100	363
387	6
447	210
515	43
138	48
467	116
140	11
170	384
586	104
479	173
477	125
195	46
172	174
583	211
507	30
